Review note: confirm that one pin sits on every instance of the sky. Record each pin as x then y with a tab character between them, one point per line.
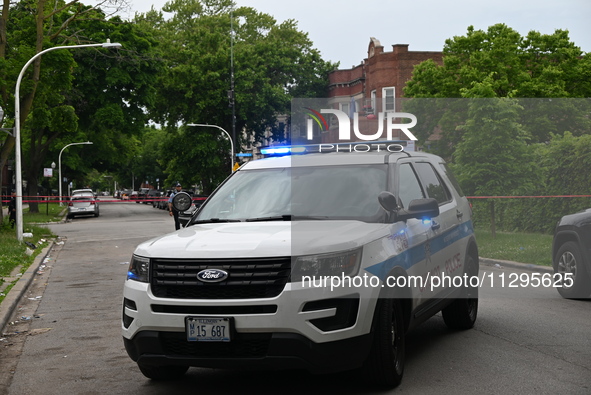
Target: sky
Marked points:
341	29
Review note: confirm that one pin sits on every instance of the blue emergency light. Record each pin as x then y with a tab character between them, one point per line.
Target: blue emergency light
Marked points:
282	150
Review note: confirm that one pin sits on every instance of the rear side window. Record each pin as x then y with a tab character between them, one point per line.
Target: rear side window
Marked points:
409	187
434	186
452	178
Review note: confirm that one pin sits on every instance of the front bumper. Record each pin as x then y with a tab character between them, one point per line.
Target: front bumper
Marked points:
272	351
313	328
318	314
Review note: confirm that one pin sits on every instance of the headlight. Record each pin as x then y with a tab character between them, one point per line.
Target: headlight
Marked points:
334	264
139	269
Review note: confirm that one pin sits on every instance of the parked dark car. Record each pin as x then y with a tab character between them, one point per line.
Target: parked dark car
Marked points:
142	195
571	251
163	202
152	197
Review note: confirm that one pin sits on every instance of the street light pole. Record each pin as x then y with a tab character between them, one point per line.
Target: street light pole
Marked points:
60	166
229	138
114	185
17	130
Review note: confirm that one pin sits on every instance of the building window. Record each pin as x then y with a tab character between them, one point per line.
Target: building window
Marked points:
388	103
373	100
344	107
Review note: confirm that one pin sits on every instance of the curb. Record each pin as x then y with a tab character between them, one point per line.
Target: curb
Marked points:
18	290
515	265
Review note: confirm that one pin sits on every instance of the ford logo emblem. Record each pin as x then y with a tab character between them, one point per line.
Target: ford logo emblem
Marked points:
212	275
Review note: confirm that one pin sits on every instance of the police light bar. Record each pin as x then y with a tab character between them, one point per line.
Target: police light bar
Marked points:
282	150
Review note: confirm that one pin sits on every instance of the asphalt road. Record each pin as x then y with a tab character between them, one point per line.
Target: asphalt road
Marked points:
66	338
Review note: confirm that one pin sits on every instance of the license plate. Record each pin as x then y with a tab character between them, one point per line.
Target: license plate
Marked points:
208	329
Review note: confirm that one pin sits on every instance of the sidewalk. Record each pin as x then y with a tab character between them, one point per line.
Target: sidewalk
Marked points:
15	294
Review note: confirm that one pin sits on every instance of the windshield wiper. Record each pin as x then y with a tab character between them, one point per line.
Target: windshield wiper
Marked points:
214	220
285	217
310	217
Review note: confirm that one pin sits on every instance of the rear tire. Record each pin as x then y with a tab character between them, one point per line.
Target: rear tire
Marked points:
162	373
385	363
461	313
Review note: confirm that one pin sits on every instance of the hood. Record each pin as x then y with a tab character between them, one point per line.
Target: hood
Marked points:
261	239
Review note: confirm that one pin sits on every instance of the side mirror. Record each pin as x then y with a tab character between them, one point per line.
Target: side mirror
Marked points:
420	209
388	201
182	201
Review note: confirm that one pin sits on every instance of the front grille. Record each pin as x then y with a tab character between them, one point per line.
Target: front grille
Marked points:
248	278
243	345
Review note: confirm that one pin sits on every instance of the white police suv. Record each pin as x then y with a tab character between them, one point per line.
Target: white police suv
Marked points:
319	261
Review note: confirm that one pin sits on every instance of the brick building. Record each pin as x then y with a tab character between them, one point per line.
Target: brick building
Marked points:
374	85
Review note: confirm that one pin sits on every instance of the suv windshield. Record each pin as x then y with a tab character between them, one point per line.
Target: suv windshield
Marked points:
327	192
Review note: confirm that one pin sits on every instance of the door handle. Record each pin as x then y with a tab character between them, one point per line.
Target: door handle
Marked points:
459	214
435	225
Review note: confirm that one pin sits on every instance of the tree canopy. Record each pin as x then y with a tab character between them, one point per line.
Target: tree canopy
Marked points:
199	44
496	96
170	71
501	63
537	65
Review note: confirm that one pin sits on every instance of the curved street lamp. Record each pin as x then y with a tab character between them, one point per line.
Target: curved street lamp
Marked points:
59	160
17	130
229	138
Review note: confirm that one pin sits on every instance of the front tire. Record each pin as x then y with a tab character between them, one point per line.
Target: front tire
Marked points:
385	363
163	373
569	265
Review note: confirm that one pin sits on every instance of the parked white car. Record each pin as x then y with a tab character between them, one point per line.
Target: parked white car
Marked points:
83	203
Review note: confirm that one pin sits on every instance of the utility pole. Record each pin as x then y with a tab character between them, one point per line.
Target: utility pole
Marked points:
231	94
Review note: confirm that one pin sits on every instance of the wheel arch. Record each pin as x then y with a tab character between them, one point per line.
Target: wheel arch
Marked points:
562	237
472	250
404	295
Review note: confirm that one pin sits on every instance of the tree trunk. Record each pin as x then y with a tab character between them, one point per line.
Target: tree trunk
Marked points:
38	153
32	192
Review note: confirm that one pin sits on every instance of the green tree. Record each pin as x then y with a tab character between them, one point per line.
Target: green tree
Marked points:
196	156
29	27
534	66
149	164
493	159
561	167
272	64
538	65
